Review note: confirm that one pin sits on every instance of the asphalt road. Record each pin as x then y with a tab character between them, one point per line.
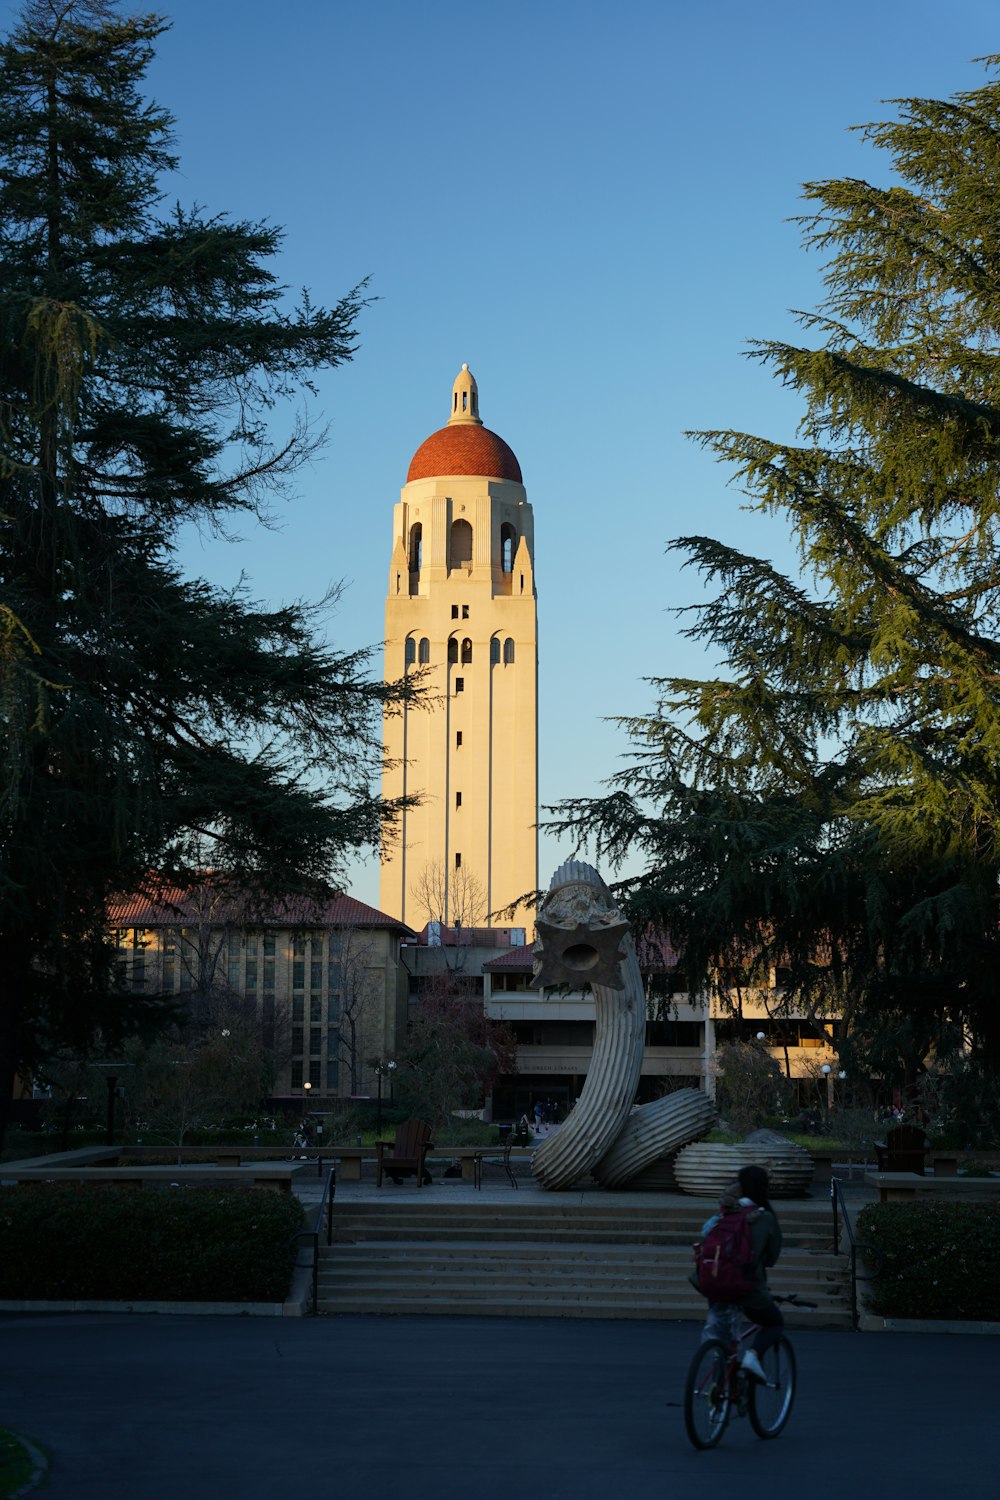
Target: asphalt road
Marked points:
197	1408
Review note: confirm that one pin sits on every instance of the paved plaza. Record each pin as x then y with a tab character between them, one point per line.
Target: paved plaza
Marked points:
194	1408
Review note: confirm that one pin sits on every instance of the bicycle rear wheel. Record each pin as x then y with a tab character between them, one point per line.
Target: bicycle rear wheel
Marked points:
706	1395
771	1402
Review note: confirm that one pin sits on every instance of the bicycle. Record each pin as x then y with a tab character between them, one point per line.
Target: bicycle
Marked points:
716	1385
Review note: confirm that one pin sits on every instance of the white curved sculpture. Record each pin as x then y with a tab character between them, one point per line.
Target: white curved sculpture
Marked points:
706	1168
654	1130
582	938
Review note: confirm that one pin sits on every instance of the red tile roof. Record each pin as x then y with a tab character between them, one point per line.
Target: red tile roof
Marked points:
464	449
172	906
516	960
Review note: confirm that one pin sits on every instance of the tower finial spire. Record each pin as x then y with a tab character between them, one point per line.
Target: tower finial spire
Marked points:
465	399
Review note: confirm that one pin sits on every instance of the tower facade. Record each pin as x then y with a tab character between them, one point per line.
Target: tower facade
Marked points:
461	608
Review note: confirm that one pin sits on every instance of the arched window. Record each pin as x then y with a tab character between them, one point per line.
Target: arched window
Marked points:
466	652
425	651
494	652
508	546
416	547
453	650
461	544
411	651
508	652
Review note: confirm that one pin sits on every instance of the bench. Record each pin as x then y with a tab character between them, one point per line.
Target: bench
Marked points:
906	1187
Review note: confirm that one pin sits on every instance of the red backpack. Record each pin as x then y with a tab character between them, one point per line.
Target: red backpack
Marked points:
725	1260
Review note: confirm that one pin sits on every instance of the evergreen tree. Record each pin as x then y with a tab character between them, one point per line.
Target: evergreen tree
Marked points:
150	722
828	803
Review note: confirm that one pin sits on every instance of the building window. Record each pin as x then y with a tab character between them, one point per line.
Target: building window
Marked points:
316	973
297	1035
466	652
461	544
459	684
453	651
316	1072
508	652
315	1009
332	1077
233	972
315	1041
416	547
411	651
296	1076
494	651
465	611
250	982
458	799
508	542
424	654
298	1007
458	739
458	861
454	611
333	1008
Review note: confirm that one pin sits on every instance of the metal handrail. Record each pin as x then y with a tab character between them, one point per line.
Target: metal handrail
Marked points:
313	1234
839	1205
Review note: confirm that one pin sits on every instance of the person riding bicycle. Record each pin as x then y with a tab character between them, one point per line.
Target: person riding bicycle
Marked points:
765	1234
750	1191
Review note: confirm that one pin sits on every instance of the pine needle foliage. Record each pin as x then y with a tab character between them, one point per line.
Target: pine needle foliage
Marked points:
150	721
828	804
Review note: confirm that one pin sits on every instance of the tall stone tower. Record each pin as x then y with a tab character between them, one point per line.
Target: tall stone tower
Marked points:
461	605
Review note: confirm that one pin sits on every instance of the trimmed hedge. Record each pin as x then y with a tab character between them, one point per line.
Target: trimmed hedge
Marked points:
942	1260
183	1244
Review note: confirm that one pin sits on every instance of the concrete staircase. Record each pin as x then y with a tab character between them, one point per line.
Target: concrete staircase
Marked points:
559	1259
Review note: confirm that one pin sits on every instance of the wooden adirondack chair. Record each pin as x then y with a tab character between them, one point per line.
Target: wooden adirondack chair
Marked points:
903	1150
405	1155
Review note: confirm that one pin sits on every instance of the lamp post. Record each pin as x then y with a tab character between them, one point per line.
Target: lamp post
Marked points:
112	1083
381	1066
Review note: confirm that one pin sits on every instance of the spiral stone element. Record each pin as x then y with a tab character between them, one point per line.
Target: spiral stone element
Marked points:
706	1168
583	939
652	1132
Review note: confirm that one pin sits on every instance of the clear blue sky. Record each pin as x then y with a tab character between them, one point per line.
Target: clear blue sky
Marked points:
589	203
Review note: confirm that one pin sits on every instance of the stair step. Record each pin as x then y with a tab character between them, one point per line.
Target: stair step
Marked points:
599	1260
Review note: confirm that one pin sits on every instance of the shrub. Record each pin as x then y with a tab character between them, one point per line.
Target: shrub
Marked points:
185	1244
942	1260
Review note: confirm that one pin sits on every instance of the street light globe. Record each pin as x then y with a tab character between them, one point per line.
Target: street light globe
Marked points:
826	1070
842	1074
760	1036
308	1086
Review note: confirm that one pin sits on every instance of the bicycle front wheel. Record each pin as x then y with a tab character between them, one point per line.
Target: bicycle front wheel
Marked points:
706	1395
771	1401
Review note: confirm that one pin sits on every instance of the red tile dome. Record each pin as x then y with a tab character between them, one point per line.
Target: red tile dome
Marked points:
462	448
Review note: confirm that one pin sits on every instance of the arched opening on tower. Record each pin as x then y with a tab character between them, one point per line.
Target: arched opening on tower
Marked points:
453	651
416	553
425	651
461	544
466	652
410	656
508	652
495	651
508	546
